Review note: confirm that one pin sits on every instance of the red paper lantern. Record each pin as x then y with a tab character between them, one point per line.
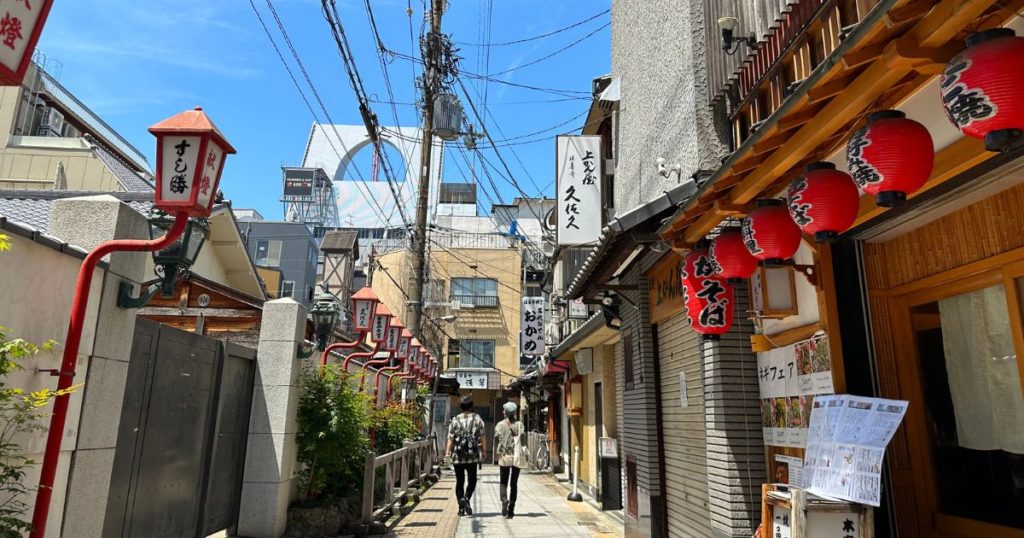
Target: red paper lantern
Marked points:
981	89
823	202
730	256
709	299
770	234
890	157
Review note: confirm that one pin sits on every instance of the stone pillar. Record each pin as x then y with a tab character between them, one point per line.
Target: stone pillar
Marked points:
103	358
735	445
270	458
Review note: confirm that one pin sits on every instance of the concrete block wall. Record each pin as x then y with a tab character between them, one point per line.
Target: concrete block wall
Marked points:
735	446
270	479
659	54
87	222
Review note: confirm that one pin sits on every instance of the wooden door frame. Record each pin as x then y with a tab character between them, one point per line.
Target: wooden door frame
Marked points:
1002	269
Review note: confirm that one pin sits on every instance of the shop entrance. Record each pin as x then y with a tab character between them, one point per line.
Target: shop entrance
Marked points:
945	303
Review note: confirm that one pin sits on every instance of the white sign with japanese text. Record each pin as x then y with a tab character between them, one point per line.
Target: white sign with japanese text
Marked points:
579	171
180	155
577	309
531	327
469	379
18	21
379	327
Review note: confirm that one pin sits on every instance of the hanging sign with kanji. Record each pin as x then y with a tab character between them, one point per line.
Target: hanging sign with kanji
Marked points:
579	170
531	327
181	158
21	23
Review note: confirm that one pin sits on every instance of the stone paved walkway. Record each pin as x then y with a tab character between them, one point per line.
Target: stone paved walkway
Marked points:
541	511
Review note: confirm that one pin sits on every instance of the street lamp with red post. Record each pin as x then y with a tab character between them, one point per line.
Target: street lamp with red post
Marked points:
391	344
378	331
364	305
190	155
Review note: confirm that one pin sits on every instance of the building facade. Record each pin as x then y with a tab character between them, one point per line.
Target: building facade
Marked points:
288	247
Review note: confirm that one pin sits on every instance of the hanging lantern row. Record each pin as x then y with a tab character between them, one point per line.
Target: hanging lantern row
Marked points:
709	299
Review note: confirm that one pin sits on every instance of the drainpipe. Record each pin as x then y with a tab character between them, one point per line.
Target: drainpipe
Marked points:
66	374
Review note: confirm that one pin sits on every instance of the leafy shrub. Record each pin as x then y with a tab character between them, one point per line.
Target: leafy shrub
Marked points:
393	425
333	419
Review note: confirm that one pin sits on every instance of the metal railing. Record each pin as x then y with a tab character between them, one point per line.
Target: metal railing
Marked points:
403	472
479	301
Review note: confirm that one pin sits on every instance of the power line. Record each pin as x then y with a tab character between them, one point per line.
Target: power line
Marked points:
369	199
554	53
542	36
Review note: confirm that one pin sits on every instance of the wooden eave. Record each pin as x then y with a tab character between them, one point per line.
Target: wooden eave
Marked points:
894	59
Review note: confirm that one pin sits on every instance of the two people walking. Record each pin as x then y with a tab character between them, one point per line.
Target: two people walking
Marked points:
467	444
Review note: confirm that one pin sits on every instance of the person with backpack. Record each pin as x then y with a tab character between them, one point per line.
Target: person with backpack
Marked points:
466	443
510	453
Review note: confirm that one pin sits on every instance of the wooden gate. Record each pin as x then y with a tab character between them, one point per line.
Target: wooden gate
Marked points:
181	443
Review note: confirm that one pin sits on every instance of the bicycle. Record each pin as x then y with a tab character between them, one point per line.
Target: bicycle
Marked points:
543	458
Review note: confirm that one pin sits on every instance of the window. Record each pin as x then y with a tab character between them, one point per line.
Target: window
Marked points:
476	353
475	291
268	253
287	288
627	357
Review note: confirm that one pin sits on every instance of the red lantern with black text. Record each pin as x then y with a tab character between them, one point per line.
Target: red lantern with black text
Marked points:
190	153
981	89
730	256
769	233
823	201
709	299
891	157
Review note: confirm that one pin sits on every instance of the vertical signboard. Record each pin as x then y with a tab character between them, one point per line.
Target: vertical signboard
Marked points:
21	23
578	309
531	326
578	170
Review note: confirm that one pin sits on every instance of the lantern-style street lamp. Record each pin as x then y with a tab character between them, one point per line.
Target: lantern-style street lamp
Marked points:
190	154
193	132
170	262
325	318
364	304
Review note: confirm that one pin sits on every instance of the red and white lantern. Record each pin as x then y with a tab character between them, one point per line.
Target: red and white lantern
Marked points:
364	304
891	157
730	256
21	24
981	89
709	298
823	201
394	337
190	153
769	233
381	321
403	344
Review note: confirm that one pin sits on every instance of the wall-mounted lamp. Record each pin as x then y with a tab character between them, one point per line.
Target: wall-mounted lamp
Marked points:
728	26
170	262
666	170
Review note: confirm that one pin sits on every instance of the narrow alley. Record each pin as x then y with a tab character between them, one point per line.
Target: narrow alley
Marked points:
541	511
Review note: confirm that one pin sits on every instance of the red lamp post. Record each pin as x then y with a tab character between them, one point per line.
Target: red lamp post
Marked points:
191	125
378	334
364	304
21	24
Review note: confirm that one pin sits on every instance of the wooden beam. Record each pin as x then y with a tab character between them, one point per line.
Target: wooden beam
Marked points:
747	164
862	56
769	143
707	222
907	13
947	20
820	93
763	342
957	158
793	121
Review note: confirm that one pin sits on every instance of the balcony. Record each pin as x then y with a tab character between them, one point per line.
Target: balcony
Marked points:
476	301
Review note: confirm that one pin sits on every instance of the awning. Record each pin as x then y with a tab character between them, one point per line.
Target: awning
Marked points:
593	333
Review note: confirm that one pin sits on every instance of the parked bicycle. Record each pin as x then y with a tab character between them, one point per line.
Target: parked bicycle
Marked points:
542	459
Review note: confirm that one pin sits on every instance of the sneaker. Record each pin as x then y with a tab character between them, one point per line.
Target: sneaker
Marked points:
465	508
504	508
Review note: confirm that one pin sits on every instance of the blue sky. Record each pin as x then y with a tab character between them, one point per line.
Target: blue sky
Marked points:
138	62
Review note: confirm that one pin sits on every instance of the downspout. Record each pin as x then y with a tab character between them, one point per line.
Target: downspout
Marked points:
874	16
66	374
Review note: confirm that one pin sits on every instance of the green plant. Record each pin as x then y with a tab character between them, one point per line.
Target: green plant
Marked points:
393	425
21	412
332	443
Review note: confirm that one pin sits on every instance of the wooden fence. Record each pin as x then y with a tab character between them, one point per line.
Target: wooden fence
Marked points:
404	470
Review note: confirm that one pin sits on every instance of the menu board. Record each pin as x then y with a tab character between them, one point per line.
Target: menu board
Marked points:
846	443
788	379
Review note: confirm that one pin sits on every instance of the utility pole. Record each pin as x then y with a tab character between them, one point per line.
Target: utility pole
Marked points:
431	80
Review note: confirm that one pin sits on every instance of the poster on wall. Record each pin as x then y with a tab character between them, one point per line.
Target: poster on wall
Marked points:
788	380
846	444
578	172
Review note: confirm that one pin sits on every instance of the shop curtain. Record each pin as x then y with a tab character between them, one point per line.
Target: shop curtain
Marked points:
982	368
